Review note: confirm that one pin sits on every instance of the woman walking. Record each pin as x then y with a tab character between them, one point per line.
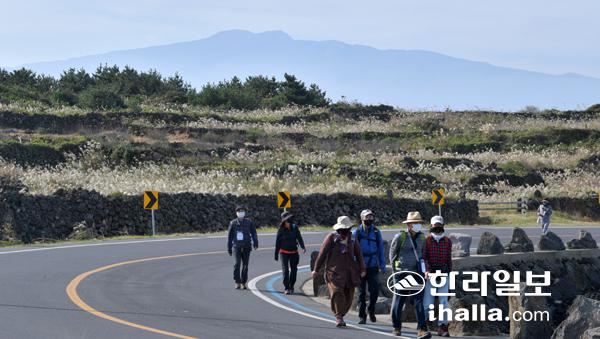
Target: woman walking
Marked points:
544	214
286	246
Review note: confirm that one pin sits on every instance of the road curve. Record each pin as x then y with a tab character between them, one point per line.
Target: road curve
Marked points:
164	288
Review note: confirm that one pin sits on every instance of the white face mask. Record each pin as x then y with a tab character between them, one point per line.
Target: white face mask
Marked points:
416	227
241	214
437	236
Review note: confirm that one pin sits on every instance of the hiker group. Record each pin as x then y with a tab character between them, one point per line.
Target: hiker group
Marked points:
355	258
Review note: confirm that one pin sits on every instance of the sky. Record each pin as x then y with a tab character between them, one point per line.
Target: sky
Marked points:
549	36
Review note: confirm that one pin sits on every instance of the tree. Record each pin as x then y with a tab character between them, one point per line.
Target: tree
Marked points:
129	82
110	87
295	92
176	90
108	77
317	97
261	86
151	83
594	108
75	81
23	77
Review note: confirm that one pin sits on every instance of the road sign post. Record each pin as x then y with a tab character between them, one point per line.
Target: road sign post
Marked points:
151	203
437	198
153	224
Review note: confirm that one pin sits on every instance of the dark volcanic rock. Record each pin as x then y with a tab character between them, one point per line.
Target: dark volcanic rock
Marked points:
520	242
489	244
583	316
470	328
523	303
551	242
461	244
585	241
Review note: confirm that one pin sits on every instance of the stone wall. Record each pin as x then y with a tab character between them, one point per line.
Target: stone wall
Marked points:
54	216
572	272
587	208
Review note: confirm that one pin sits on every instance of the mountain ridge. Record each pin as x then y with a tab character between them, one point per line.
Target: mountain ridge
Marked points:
413	79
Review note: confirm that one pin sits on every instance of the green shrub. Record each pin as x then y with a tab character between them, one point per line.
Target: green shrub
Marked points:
100	98
514	167
124	154
594	108
134	103
65	97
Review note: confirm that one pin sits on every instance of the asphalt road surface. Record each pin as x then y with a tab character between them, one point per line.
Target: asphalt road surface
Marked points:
161	288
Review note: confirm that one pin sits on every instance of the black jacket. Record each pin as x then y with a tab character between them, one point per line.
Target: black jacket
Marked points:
248	229
288	240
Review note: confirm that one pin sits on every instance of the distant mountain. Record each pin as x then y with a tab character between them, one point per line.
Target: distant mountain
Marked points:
406	78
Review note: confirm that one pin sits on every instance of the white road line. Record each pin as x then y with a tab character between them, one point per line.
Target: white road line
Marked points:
252	286
38	249
94	245
48	248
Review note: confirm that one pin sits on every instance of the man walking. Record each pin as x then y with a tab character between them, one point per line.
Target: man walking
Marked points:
344	267
438	258
371	245
406	254
544	214
241	238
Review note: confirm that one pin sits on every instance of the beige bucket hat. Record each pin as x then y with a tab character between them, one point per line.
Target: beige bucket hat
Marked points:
343	222
413	217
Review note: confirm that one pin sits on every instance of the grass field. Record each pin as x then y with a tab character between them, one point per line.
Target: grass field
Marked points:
489	156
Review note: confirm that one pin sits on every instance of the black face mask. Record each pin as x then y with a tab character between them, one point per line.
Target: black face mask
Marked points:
344	232
368	222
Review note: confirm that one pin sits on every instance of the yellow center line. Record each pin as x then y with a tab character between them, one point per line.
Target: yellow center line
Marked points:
77	300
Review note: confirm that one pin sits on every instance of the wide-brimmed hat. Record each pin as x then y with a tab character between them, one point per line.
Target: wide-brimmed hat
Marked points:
286	216
365	213
343	222
413	217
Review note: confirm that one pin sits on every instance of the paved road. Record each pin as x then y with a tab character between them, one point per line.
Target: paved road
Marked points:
189	293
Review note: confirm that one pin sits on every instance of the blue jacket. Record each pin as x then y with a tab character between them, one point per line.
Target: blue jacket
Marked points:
371	246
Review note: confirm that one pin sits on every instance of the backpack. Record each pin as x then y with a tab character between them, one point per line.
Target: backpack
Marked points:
359	237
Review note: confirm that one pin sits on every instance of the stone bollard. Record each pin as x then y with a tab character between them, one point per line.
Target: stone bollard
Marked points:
520	242
489	244
528	329
585	240
461	244
551	242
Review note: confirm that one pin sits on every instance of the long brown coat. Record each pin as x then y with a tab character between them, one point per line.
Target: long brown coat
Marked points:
341	269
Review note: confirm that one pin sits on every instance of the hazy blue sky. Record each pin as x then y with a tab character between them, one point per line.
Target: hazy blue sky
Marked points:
544	35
